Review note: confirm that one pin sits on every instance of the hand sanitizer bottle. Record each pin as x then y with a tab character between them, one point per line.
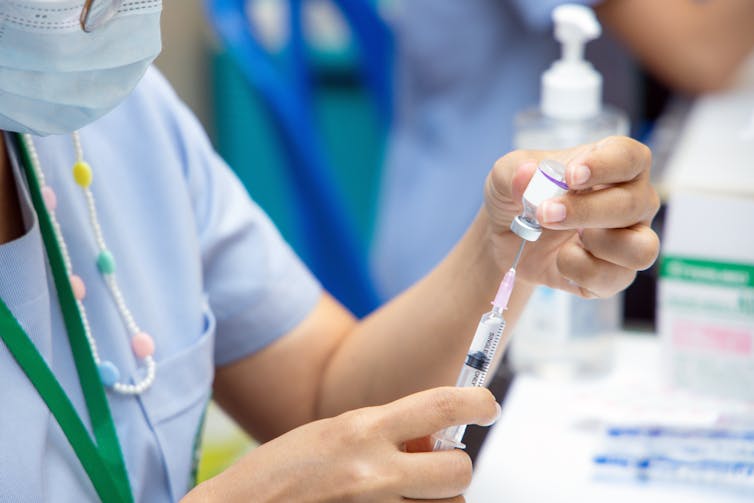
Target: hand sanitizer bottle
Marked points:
560	334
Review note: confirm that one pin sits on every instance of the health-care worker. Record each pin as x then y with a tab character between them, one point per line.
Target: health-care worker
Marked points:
137	277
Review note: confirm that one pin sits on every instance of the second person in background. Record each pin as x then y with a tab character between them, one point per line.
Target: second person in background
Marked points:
464	69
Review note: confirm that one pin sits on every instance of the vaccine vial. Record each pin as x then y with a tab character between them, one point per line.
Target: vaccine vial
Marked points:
548	182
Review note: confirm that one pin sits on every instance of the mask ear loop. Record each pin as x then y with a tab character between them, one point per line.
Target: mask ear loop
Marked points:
105	14
84	16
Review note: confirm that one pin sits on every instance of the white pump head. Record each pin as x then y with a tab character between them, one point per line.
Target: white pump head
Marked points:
572	88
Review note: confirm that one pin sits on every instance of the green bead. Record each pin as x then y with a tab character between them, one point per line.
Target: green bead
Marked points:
106	262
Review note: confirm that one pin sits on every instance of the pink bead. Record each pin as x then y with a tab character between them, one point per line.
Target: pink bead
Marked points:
142	345
79	289
50	199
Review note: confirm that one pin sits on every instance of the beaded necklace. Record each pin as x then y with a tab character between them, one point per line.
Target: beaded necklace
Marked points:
142	343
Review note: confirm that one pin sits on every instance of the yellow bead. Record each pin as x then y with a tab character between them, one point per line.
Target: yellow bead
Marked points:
82	173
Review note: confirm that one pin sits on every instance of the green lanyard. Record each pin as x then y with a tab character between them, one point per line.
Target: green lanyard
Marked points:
103	461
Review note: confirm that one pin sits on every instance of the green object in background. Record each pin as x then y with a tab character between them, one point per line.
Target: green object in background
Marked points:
350	130
223	442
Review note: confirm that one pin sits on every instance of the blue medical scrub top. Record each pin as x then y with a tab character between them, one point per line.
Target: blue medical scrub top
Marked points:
464	68
200	265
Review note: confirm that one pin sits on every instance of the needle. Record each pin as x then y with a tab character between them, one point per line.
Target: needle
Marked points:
518	255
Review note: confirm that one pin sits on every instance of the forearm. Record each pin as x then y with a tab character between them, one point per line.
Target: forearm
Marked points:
692	46
419	340
331	362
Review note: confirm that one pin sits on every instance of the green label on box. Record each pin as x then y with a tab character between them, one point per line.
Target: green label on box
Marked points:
710	272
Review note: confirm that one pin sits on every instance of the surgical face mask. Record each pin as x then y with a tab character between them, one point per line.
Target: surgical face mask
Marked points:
54	77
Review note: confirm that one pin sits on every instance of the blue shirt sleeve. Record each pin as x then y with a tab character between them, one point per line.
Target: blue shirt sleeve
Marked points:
257	288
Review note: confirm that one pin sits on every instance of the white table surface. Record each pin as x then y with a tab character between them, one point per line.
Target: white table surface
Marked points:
541	448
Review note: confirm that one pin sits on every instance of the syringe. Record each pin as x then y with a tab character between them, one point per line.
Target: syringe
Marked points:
481	353
547	182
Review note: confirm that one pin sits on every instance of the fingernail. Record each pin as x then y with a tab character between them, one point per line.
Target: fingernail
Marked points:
497	415
579	174
553	212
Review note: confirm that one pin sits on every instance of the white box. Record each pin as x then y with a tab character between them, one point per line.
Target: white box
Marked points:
706	294
706	286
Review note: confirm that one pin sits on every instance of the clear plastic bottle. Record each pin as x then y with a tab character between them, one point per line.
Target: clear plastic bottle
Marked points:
559	333
536	131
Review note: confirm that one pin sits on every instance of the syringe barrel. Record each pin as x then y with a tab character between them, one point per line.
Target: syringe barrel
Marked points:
468	376
452	436
474	371
482	350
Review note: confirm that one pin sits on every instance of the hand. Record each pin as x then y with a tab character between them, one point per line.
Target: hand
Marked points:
599	232
361	455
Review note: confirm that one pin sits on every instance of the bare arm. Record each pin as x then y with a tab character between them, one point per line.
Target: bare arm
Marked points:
693	46
331	362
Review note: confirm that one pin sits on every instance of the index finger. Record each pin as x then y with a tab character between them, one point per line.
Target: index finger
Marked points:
430	411
616	159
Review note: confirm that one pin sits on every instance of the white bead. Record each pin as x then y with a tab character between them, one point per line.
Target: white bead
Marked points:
111	282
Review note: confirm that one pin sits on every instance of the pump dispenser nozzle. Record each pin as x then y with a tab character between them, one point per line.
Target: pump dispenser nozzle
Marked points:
575	25
572	88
